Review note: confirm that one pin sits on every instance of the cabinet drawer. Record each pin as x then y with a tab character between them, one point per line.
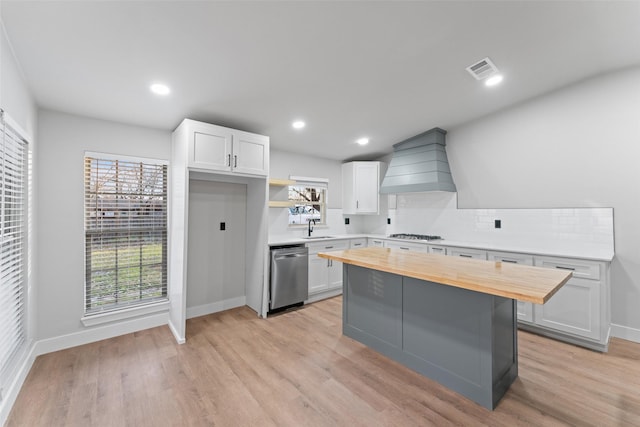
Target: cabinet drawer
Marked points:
332	245
467	253
582	269
358	243
406	246
510	257
376	242
437	250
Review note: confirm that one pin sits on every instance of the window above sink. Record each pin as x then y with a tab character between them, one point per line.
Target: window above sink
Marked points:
308	198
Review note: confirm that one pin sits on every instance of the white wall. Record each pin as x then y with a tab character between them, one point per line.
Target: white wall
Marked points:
284	164
15	96
216	262
19	105
63	140
577	147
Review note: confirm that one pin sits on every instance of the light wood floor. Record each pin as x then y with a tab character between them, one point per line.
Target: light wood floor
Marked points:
296	369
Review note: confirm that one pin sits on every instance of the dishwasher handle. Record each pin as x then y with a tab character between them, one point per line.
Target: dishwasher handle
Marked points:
298	255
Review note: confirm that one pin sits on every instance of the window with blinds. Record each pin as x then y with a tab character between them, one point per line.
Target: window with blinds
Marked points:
125	232
13	253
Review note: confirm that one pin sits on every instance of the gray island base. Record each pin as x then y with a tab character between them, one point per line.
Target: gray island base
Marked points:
463	339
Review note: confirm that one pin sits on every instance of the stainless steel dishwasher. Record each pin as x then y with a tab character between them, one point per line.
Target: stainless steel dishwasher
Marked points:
289	276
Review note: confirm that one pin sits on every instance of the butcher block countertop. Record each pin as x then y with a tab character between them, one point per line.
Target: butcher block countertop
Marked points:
520	282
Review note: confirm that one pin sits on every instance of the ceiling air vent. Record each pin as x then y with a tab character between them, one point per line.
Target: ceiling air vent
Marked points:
482	69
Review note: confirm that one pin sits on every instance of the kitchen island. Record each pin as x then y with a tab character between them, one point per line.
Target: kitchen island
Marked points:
450	319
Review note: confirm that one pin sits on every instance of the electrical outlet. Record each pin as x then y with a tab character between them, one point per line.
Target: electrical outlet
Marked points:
388	221
498	223
346	221
223	226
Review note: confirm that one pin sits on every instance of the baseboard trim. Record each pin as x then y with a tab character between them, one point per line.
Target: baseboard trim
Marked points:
10	394
323	295
215	307
179	339
99	333
625	332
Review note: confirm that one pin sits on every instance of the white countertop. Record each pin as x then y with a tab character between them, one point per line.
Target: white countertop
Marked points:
289	240
555	249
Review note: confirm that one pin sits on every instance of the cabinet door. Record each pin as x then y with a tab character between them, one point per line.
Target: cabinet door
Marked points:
318	276
366	187
210	148
250	154
575	309
335	274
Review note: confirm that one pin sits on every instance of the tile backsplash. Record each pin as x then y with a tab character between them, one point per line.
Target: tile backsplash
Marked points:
563	230
569	229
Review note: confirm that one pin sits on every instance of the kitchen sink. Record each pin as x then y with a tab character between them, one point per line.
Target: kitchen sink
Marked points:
318	237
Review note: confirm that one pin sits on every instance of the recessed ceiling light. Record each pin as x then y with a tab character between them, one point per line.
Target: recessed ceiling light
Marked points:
299	124
362	141
160	89
493	80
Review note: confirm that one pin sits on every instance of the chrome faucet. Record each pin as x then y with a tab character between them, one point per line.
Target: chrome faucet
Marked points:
310	227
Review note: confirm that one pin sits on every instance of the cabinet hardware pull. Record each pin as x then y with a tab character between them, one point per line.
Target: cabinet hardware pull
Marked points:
466	256
229	160
512	261
406	249
235	161
565	268
357	204
328	247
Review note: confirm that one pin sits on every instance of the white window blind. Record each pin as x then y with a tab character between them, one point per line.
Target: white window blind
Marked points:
13	203
125	232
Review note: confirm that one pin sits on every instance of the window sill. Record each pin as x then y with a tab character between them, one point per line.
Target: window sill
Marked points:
126	313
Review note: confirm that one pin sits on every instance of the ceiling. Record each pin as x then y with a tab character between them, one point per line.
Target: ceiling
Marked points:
386	69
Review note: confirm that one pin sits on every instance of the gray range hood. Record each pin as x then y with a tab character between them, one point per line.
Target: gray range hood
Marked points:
419	164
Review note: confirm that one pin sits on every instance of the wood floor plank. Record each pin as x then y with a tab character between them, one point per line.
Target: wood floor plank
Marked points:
297	369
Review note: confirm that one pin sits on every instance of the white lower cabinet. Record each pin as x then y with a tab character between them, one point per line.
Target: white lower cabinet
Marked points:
579	312
525	309
574	309
580	309
324	274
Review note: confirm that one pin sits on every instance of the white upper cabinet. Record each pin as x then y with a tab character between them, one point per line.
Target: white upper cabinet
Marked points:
250	153
216	148
360	188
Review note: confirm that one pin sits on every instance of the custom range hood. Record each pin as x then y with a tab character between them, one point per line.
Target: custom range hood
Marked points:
419	164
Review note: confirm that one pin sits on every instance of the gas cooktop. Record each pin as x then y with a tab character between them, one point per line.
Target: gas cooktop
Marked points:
414	236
